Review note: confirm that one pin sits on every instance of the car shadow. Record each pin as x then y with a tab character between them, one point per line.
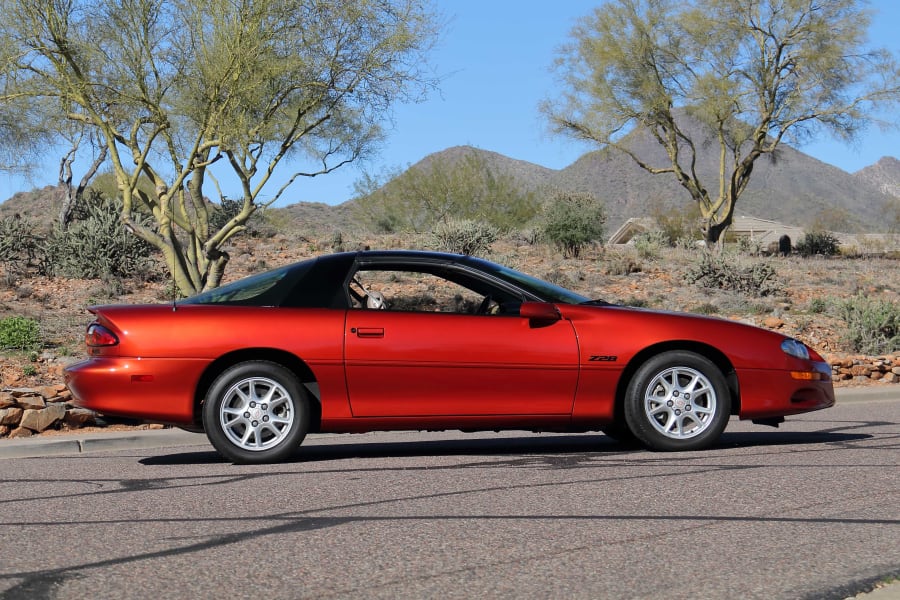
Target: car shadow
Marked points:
503	446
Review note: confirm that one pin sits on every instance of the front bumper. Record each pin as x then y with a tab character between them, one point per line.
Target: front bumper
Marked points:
773	393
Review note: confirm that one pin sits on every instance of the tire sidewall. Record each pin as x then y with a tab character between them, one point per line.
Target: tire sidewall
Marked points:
216	396
638	421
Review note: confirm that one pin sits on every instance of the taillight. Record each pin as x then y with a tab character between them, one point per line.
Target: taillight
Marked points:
98	335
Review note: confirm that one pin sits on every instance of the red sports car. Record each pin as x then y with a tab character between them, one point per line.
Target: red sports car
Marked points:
389	340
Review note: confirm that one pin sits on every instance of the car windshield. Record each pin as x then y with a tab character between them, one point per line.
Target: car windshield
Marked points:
539	288
264	289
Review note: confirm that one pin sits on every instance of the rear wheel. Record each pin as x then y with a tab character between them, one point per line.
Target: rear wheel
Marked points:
677	401
256	412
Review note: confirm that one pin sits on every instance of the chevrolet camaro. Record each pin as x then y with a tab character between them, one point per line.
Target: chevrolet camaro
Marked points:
393	340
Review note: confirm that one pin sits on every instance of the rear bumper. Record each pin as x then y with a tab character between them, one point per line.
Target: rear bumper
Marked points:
150	389
773	393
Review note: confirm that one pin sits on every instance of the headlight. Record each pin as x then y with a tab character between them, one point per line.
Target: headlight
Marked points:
795	348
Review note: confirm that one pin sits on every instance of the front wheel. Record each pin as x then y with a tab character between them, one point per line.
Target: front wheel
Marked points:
256	412
677	401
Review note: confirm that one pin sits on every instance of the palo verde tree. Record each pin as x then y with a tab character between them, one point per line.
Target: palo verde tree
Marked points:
185	95
754	72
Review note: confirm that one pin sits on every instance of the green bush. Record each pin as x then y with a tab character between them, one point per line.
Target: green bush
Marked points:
463	236
650	244
19	333
97	245
573	220
818	242
257	226
723	271
17	240
873	325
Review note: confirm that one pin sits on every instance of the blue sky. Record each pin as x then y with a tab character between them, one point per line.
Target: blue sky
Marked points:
495	58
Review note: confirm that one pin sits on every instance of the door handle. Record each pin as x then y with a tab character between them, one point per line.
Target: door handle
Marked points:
369	332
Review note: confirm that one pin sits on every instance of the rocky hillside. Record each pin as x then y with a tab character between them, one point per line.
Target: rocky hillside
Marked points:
884	175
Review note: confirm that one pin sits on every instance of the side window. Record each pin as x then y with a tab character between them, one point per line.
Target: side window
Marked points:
413	291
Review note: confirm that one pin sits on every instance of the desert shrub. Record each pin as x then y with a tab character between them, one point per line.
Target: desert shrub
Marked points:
96	245
572	220
19	333
817	305
678	223
749	246
818	242
873	325
650	244
257	225
558	277
706	308
722	271
463	236
17	240
635	302
622	263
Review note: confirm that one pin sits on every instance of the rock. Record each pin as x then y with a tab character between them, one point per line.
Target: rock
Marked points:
11	416
39	420
80	417
21	432
33	402
7	399
19	392
4	430
860	371
773	322
50	391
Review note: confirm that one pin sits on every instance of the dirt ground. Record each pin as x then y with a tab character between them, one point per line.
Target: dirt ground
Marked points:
811	288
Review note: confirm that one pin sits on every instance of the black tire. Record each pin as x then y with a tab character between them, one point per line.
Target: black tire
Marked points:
677	400
256	412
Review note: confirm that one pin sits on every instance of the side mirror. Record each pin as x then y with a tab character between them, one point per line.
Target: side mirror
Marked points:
539	311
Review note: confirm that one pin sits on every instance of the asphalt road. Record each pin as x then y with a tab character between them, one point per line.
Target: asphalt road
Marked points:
811	510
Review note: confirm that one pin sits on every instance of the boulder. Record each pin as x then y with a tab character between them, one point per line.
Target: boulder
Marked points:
21	432
11	416
33	402
80	417
39	420
7	399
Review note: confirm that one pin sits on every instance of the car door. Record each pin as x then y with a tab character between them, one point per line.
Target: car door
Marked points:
434	363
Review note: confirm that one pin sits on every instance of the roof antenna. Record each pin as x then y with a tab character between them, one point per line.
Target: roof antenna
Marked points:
174	293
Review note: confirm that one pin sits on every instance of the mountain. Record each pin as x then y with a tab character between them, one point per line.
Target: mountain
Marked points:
884	175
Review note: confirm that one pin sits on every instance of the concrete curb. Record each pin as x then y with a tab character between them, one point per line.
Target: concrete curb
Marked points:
79	443
884	391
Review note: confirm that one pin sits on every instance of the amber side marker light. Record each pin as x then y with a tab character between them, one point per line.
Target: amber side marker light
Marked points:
810	376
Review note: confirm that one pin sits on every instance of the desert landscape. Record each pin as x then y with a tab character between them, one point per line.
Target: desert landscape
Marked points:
804	301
